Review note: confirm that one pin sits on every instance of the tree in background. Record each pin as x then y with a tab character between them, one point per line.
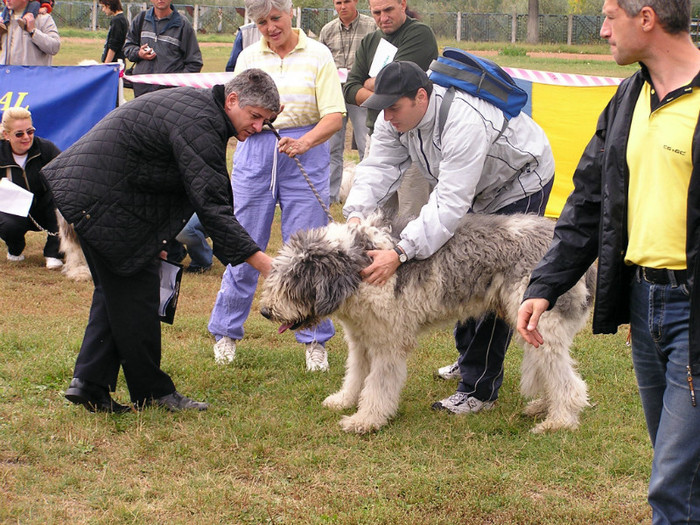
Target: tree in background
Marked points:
533	28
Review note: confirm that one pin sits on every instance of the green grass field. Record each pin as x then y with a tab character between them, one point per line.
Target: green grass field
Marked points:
266	451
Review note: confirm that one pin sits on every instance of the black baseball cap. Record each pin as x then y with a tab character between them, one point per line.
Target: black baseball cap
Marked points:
395	80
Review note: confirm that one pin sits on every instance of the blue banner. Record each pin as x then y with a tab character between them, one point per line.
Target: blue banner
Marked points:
65	101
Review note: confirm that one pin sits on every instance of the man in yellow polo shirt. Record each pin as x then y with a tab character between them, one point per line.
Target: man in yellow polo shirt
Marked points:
636	207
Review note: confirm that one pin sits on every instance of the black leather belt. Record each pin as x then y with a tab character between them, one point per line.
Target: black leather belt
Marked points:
662	275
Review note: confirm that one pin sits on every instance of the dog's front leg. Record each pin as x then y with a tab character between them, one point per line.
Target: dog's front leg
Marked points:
356	370
379	399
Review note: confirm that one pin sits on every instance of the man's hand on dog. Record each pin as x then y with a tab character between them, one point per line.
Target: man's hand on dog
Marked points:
384	265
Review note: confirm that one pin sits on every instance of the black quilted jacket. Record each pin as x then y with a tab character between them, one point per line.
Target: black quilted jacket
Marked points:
133	181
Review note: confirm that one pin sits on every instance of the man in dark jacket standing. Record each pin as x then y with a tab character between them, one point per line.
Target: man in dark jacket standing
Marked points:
160	40
129	186
636	206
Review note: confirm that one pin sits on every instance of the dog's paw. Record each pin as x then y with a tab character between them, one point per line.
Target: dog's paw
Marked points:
338	401
536	407
552	424
358	425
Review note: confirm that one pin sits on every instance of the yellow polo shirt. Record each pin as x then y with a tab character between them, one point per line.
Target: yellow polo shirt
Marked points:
306	79
659	157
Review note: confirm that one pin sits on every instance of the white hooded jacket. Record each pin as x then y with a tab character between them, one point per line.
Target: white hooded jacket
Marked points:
469	166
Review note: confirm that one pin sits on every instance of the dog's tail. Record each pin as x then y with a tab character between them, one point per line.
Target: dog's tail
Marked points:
591	278
75	266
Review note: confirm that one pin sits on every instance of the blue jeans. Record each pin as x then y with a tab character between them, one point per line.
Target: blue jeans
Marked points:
195	238
482	343
659	321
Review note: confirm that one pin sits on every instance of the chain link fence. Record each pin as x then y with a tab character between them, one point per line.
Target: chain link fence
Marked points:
477	27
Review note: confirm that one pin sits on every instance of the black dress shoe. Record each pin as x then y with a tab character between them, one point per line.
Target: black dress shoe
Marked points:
94	398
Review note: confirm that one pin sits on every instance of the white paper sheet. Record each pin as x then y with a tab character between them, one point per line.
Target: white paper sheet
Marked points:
385	53
14	199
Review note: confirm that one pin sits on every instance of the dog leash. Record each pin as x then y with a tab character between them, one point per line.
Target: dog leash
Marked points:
8	175
41	228
306	176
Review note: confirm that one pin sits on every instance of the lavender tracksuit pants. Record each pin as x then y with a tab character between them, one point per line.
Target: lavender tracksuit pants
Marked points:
263	178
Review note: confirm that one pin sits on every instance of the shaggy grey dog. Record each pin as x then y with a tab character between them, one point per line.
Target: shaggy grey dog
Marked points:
484	267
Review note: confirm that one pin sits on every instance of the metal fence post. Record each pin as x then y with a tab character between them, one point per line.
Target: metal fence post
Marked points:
514	27
195	18
459	26
570	30
93	21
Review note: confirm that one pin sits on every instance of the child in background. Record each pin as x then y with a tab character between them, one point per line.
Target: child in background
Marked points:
33	9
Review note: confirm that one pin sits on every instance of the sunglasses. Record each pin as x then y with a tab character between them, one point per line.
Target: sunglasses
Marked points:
19	134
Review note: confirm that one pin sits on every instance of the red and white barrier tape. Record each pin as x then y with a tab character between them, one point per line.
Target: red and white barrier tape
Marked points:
561	79
207	80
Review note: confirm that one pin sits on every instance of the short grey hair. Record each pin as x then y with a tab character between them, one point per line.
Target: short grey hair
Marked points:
254	87
674	15
258	9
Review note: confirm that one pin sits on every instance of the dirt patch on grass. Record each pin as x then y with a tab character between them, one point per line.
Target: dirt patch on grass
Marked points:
549	54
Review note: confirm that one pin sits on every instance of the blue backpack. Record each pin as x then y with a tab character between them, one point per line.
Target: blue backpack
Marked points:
478	76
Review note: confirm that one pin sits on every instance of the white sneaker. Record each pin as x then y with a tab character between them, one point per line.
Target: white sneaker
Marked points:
316	357
53	264
449	371
225	350
15	258
462	403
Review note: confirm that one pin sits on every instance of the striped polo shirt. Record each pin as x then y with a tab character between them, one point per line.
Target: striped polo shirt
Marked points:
306	78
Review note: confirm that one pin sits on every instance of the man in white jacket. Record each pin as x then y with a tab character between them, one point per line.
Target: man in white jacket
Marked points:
33	42
472	165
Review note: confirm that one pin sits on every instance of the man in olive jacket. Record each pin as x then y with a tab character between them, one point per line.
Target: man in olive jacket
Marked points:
415	42
129	186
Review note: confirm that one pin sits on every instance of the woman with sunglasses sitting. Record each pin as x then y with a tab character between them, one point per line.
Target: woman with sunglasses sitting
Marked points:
22	155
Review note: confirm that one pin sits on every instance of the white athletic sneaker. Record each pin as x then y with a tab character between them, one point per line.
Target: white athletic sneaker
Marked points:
462	403
316	357
449	371
225	350
15	258
53	264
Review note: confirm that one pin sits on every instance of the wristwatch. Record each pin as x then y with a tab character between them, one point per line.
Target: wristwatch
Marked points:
402	255
31	33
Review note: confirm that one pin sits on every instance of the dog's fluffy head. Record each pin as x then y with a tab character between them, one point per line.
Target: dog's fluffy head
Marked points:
316	271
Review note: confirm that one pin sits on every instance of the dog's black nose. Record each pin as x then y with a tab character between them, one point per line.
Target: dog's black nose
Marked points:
265	312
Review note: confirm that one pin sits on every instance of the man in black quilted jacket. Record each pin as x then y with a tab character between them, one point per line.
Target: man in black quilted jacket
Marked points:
129	186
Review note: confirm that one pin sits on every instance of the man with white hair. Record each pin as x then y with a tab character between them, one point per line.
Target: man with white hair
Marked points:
128	186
